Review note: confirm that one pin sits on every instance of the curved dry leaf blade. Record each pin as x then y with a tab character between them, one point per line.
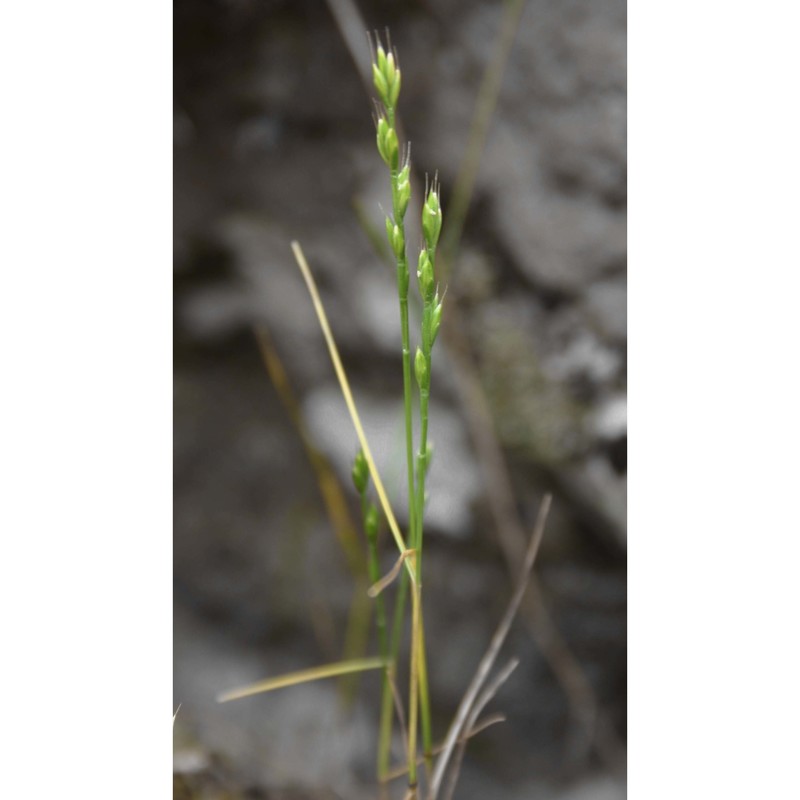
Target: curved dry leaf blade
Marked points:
303	676
344	384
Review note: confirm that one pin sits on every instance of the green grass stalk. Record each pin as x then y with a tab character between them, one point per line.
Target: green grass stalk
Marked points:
413	692
387	80
425	700
412	525
371	520
369	515
431	317
387	704
399	210
414	518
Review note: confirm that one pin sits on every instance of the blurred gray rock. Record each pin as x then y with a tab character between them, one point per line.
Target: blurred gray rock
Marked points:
301	735
558	240
606	303
610	419
554	168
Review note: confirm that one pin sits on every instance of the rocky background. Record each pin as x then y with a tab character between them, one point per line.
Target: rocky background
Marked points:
273	141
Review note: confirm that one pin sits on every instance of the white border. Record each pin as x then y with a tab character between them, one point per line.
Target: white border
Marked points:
714	400
85	593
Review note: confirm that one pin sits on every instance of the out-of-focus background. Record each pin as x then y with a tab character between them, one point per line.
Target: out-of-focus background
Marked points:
274	141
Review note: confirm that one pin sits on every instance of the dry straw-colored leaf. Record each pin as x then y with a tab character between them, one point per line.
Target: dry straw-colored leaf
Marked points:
303	676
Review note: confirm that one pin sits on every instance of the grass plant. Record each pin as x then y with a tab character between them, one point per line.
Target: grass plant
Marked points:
406	575
387	79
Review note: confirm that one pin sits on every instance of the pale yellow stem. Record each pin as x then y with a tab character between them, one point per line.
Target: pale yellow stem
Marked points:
303	676
351	406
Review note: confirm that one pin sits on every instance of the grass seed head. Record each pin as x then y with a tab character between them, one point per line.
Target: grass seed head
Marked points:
395	237
380	81
403	190
431	219
427	285
421	369
436	317
388	145
386	77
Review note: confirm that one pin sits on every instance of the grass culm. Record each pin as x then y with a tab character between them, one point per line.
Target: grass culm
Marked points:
405	580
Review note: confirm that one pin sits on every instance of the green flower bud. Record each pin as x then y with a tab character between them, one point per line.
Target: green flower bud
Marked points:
388	146
381	133
398	242
427	287
372	521
386	77
394	90
436	319
389	68
380	82
403	190
421	369
360	472
395	237
431	220
381	58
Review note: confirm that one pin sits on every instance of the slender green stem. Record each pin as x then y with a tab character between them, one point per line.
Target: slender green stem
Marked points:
374	576
425	716
402	290
385	734
412	526
386	78
424	699
371	522
422	455
399	615
413	505
413	692
387	701
388	650
420	662
431	225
